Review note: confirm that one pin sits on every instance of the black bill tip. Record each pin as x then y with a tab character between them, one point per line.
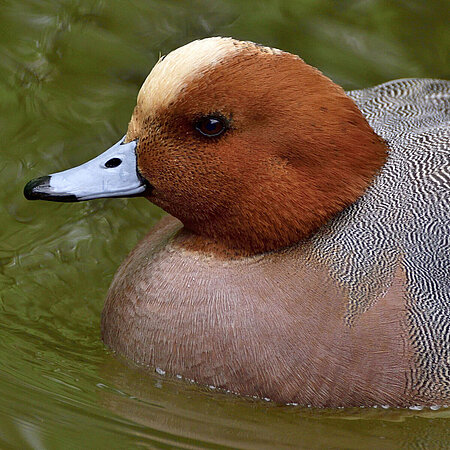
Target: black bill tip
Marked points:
39	189
34	188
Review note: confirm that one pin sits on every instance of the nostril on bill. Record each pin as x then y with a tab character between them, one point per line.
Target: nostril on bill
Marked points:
113	162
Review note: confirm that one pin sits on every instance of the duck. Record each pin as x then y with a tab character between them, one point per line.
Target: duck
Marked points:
305	254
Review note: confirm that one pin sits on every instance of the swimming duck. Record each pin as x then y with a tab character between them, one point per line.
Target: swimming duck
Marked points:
306	255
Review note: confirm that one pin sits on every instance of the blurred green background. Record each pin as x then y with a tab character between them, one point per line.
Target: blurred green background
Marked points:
69	75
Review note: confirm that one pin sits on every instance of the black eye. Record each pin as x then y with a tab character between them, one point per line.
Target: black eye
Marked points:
210	126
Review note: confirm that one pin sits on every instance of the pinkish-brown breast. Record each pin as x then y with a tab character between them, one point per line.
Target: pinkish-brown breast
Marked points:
267	326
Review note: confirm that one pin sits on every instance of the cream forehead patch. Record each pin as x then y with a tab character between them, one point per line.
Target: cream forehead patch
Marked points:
173	72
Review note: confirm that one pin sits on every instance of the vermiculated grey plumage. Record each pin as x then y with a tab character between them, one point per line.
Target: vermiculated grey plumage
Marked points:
402	223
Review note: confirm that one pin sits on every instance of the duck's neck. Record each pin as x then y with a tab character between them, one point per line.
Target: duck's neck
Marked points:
287	209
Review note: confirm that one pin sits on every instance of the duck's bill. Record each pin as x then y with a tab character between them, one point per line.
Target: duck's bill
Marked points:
114	173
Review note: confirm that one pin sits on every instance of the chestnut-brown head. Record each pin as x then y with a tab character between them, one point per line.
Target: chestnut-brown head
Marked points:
249	146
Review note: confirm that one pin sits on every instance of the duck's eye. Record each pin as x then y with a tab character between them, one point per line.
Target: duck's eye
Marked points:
210	126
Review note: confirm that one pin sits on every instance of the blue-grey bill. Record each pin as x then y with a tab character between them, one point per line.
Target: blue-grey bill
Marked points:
114	173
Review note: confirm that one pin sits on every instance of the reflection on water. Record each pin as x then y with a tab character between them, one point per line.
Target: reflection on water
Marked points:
194	413
69	74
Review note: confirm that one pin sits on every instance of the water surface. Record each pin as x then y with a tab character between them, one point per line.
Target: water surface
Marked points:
69	75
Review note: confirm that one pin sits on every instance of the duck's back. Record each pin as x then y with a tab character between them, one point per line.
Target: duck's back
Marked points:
400	227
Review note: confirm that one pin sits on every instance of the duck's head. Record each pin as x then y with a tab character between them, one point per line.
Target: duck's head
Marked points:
247	145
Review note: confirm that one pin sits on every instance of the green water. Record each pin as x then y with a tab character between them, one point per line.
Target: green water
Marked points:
69	75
